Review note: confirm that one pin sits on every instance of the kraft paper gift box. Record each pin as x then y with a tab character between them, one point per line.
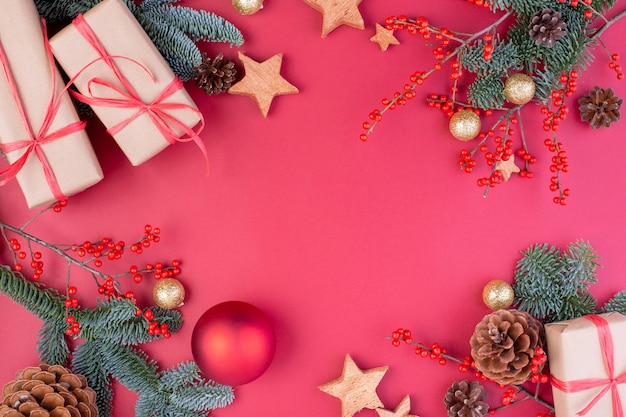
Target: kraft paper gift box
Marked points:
138	62
585	354
70	158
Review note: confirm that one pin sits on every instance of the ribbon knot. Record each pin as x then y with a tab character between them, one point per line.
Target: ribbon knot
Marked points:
33	143
125	97
609	384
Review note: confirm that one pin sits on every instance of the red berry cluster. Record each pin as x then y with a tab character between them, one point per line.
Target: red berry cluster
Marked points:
73	327
616	67
488	47
154	328
90	256
58	206
537	364
480	3
528	159
435	351
508	396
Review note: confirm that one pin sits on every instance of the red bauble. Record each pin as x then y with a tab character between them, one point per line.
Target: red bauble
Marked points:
233	343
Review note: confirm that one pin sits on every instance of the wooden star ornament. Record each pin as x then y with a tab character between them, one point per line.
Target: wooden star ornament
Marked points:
356	388
338	12
507	168
402	410
384	37
262	81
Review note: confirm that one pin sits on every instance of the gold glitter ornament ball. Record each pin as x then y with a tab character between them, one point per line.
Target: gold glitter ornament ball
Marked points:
519	89
464	125
498	294
246	7
169	293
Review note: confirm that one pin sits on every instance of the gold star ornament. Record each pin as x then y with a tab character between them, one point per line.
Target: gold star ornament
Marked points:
338	12
402	410
262	81
507	168
356	388
384	37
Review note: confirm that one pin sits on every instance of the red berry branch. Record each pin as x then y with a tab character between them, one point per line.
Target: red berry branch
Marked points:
483	54
511	394
90	256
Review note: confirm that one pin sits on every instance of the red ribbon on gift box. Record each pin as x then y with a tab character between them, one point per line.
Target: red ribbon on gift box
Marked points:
157	109
33	142
610	383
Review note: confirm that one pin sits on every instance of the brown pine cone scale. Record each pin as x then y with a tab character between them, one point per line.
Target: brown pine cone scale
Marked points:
600	107
504	343
465	399
48	391
215	75
546	27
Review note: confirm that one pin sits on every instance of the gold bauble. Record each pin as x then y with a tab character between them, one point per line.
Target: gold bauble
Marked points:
464	125
169	293
498	294
246	7
519	89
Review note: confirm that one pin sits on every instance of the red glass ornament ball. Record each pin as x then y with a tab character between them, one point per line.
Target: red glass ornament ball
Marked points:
233	343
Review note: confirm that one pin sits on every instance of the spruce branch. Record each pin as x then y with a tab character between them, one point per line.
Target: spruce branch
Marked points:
112	330
616	303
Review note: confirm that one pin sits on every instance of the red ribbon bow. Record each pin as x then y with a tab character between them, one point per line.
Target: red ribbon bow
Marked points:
610	383
33	142
157	109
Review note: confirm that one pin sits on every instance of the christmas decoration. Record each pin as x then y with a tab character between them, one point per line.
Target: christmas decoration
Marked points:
384	37
169	293
247	7
112	332
546	27
599	107
506	168
356	388
583	388
233	342
466	399
215	75
44	390
262	81
138	98
40	133
553	285
402	410
173	29
550	40
338	12
519	88
464	125
504	343
498	294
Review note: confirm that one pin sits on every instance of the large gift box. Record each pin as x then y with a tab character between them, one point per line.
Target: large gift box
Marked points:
40	133
588	365
119	71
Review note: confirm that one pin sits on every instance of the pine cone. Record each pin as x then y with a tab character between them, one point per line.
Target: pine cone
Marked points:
546	27
465	399
215	75
600	107
48	391
504	343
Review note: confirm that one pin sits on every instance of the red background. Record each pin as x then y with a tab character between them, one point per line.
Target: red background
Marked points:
338	241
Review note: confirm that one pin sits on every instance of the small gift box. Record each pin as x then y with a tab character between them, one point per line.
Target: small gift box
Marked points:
40	133
124	78
588	365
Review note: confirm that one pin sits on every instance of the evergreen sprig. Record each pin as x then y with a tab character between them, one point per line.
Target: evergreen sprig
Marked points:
553	285
112	330
175	30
